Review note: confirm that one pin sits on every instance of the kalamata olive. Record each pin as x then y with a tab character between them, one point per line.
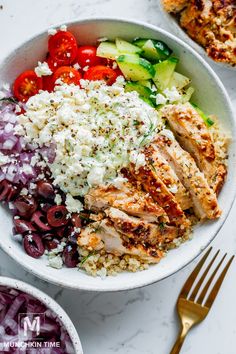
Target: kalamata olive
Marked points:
51	244
73	237
45	207
39	219
23	226
76	221
33	245
57	216
7	191
70	256
60	231
25	205
46	190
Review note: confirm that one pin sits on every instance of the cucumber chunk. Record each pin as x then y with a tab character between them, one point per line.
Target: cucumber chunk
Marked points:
146	83
135	68
153	50
144	92
107	50
187	95
179	81
164	72
208	121
125	47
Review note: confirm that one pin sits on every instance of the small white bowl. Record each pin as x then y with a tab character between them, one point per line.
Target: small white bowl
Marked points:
173	24
49	303
210	94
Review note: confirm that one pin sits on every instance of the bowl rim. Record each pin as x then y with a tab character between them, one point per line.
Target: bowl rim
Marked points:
50	303
129	286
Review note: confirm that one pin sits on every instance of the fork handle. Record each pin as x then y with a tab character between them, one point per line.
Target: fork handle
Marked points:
179	342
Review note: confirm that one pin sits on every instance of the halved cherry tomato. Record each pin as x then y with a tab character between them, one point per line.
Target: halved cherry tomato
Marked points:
87	56
101	72
53	64
68	75
48	83
112	64
26	85
63	47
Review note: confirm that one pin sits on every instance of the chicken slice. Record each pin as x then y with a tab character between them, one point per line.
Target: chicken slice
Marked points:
127	198
101	235
174	5
204	199
149	180
193	135
139	230
168	176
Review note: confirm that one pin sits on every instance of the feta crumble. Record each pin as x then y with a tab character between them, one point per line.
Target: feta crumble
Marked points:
42	69
93	130
52	31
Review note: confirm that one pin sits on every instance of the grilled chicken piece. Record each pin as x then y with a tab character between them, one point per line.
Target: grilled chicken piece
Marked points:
149	180
174	5
204	199
128	198
168	176
103	235
193	135
139	230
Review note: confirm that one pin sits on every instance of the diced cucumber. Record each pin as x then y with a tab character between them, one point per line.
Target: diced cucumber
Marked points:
125	47
107	50
187	95
164	72
144	92
208	121
146	83
179	81
153	50
139	42
135	68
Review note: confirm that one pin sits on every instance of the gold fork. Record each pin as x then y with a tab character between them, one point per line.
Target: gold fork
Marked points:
191	306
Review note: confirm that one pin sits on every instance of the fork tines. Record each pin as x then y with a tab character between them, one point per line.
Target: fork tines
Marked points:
192	294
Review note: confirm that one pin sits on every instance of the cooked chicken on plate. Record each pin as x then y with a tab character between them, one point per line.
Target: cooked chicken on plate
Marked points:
158	202
211	23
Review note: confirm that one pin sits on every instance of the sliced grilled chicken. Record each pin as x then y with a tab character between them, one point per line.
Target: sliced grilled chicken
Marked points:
204	199
127	198
193	135
168	176
149	180
103	235
139	230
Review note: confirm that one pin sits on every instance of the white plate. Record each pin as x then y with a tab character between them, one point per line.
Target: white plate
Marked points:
210	95
174	26
49	303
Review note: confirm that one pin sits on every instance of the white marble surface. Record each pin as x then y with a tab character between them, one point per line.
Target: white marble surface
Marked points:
140	321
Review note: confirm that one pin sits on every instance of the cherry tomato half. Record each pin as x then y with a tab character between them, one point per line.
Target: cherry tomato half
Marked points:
68	75
48	83
87	56
101	72
53	64
63	47
26	85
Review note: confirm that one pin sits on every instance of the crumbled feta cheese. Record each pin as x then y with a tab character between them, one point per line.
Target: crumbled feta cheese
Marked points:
58	199
42	69
173	189
85	68
93	130
172	94
63	28
52	31
119	181
73	205
102	39
138	159
114	65
160	99
56	262
4	159
76	66
24	191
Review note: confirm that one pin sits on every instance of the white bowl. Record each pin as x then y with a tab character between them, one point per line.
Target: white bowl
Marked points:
49	303
210	95
173	24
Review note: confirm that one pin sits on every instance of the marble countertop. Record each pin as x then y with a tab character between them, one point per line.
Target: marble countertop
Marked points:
141	321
